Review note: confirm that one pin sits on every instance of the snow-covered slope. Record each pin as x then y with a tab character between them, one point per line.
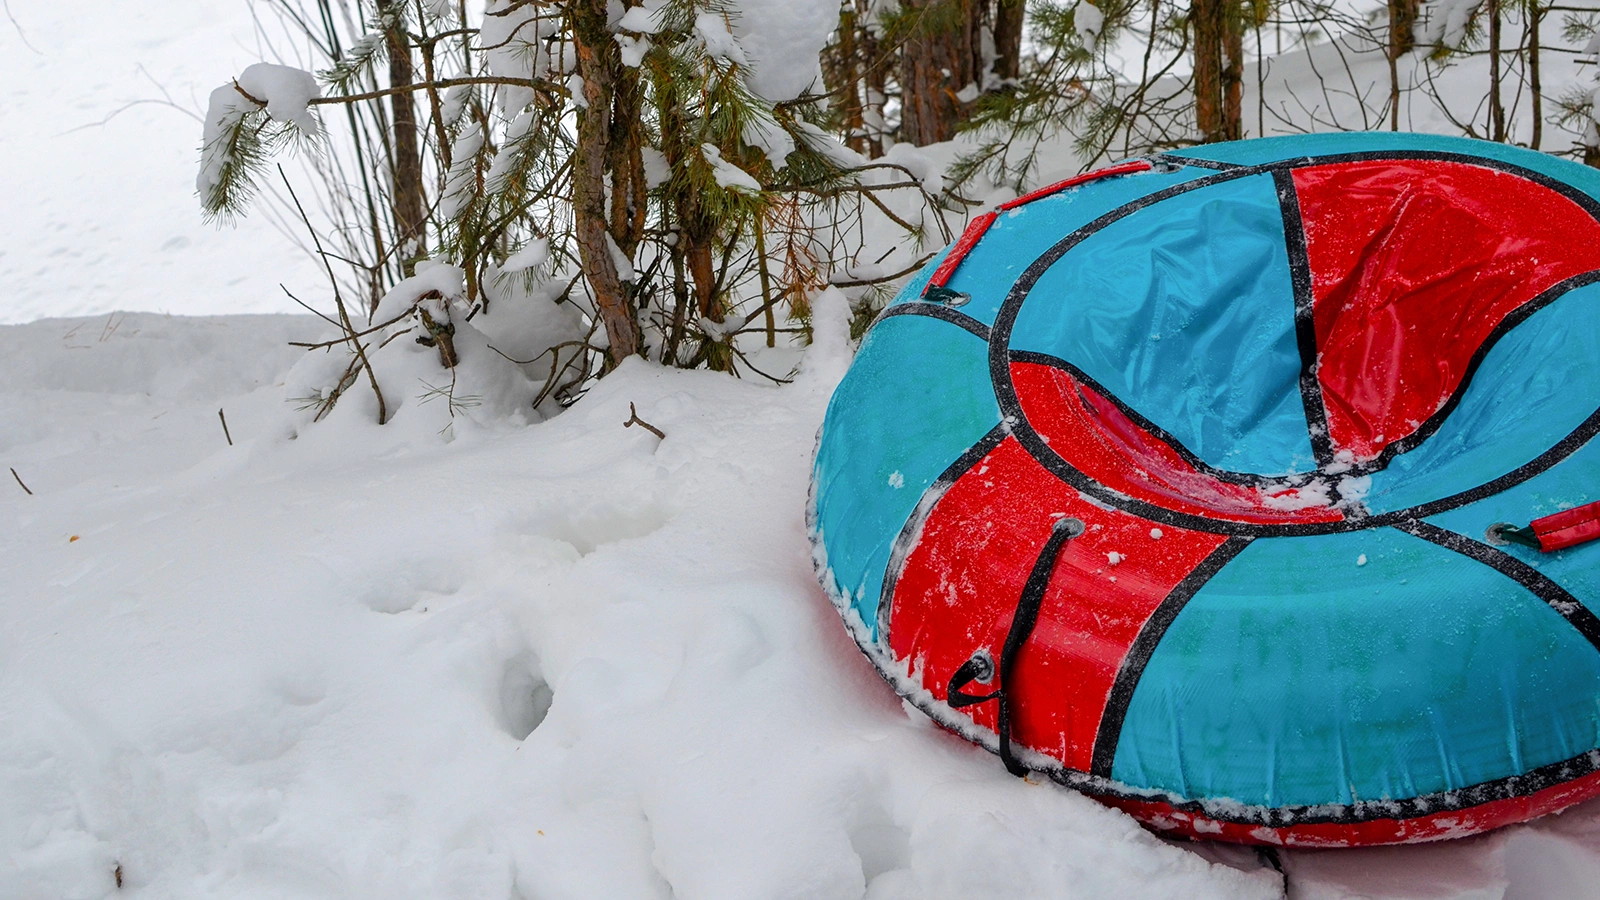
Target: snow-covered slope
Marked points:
565	660
569	660
101	215
562	660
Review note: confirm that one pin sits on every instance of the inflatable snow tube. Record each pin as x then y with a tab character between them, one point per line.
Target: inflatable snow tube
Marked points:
1175	482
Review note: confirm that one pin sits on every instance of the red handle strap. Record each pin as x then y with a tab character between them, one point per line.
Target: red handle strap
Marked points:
1564	529
1568	527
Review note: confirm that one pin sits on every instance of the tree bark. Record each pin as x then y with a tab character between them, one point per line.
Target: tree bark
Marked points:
626	161
1205	24
407	201
598	62
1402	27
936	61
855	135
1535	19
1232	71
1008	18
1402	38
876	62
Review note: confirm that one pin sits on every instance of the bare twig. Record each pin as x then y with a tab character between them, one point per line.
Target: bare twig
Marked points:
19	482
863	282
225	427
344	315
535	83
633	419
320	345
20	33
127	106
752	367
311	310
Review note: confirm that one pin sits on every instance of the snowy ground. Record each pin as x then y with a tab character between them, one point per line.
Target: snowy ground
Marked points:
552	660
560	660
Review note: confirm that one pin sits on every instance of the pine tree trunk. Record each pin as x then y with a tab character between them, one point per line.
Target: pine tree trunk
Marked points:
695	228
1233	71
974	12
1536	19
1402	27
1402	19
1008	18
842	74
696	233
936	61
598	62
626	162
876	62
408	201
1205	23
1402	39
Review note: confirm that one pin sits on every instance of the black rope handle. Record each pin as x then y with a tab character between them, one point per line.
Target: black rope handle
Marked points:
981	667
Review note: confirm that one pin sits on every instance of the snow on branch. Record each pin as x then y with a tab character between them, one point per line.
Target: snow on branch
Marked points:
266	107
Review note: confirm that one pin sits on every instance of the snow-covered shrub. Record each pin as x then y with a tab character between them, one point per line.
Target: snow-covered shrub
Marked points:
579	180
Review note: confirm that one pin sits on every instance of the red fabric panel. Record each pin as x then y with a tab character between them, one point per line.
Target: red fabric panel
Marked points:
1568	527
1092	434
1414	263
961	582
1433	827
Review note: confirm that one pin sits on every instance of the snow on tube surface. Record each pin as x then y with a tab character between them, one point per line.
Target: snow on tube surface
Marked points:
1174	484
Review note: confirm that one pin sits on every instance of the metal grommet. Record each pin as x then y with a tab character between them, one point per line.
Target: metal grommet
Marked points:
982	667
946	297
1071	526
1495	536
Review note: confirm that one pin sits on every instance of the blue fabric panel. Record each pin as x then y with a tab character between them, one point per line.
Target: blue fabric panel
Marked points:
1572	482
1300	676
1185	311
916	397
1020	236
1534	387
1266	150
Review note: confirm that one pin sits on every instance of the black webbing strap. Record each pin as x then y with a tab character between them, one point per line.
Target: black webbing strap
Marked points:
981	667
1502	533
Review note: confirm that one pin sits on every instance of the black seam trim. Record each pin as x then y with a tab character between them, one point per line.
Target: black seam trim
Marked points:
1539	584
1511	320
1245	478
1563	449
1305	327
936	311
1144	646
1011	407
1198	163
1588	203
1512	786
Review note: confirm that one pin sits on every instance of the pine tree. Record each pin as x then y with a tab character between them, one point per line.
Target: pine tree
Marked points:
567	154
